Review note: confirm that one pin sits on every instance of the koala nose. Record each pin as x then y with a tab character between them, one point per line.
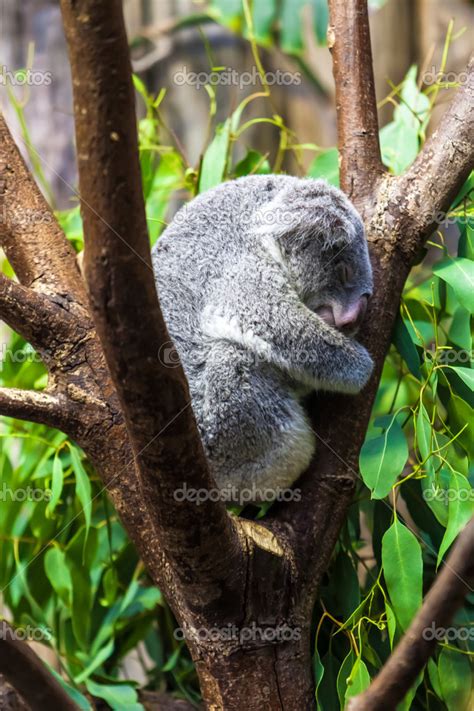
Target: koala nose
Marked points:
350	318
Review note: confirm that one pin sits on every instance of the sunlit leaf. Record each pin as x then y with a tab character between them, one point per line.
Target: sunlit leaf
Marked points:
382	460
455	678
403	571
460	510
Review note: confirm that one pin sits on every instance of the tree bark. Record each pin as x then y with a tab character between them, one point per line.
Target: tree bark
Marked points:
100	341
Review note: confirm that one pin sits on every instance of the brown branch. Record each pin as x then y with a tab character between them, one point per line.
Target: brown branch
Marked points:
357	122
29	233
410	656
29	676
155	399
34	406
425	192
42	320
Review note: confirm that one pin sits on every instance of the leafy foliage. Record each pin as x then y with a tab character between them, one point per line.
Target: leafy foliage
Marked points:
70	576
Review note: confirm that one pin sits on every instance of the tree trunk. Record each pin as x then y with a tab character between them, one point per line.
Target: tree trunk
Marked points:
267	679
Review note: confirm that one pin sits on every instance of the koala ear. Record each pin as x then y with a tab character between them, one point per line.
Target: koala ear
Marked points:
308	210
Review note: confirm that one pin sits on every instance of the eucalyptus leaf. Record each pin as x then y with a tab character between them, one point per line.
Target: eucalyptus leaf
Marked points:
403	571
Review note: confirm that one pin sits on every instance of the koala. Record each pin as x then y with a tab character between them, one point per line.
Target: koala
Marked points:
263	283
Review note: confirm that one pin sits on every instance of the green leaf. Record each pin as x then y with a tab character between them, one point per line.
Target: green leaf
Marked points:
423	436
254	163
291	39
56	485
110	584
466	375
391	623
58	574
460	331
433	487
455	677
118	696
382	459
229	12
99	658
214	162
399	146
404	344
264	16
460	510
406	704
326	165
80	553
403	571
344	675
434	677
327	692
358	681
320	20
318	670
83	487
458	272
461	419
75	695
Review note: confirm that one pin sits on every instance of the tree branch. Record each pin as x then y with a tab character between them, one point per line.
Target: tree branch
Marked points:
29	676
34	406
155	399
425	192
357	122
410	656
29	233
45	323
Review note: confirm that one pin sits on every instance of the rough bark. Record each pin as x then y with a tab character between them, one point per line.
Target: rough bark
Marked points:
132	416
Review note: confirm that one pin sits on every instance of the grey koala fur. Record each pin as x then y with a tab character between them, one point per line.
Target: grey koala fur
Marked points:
253	277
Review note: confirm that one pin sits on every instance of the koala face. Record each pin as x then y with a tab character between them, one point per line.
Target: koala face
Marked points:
327	257
338	286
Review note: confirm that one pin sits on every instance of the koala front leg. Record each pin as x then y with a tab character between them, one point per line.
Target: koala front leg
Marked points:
258	308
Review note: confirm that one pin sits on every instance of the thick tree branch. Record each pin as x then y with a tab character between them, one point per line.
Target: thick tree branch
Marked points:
29	233
410	656
154	398
357	123
422	195
29	676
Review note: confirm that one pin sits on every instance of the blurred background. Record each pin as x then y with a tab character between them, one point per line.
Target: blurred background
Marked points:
171	37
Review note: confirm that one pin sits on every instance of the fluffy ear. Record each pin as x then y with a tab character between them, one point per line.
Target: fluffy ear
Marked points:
308	210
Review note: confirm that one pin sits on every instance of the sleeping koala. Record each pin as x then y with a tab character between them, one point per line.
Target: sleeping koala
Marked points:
263	282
